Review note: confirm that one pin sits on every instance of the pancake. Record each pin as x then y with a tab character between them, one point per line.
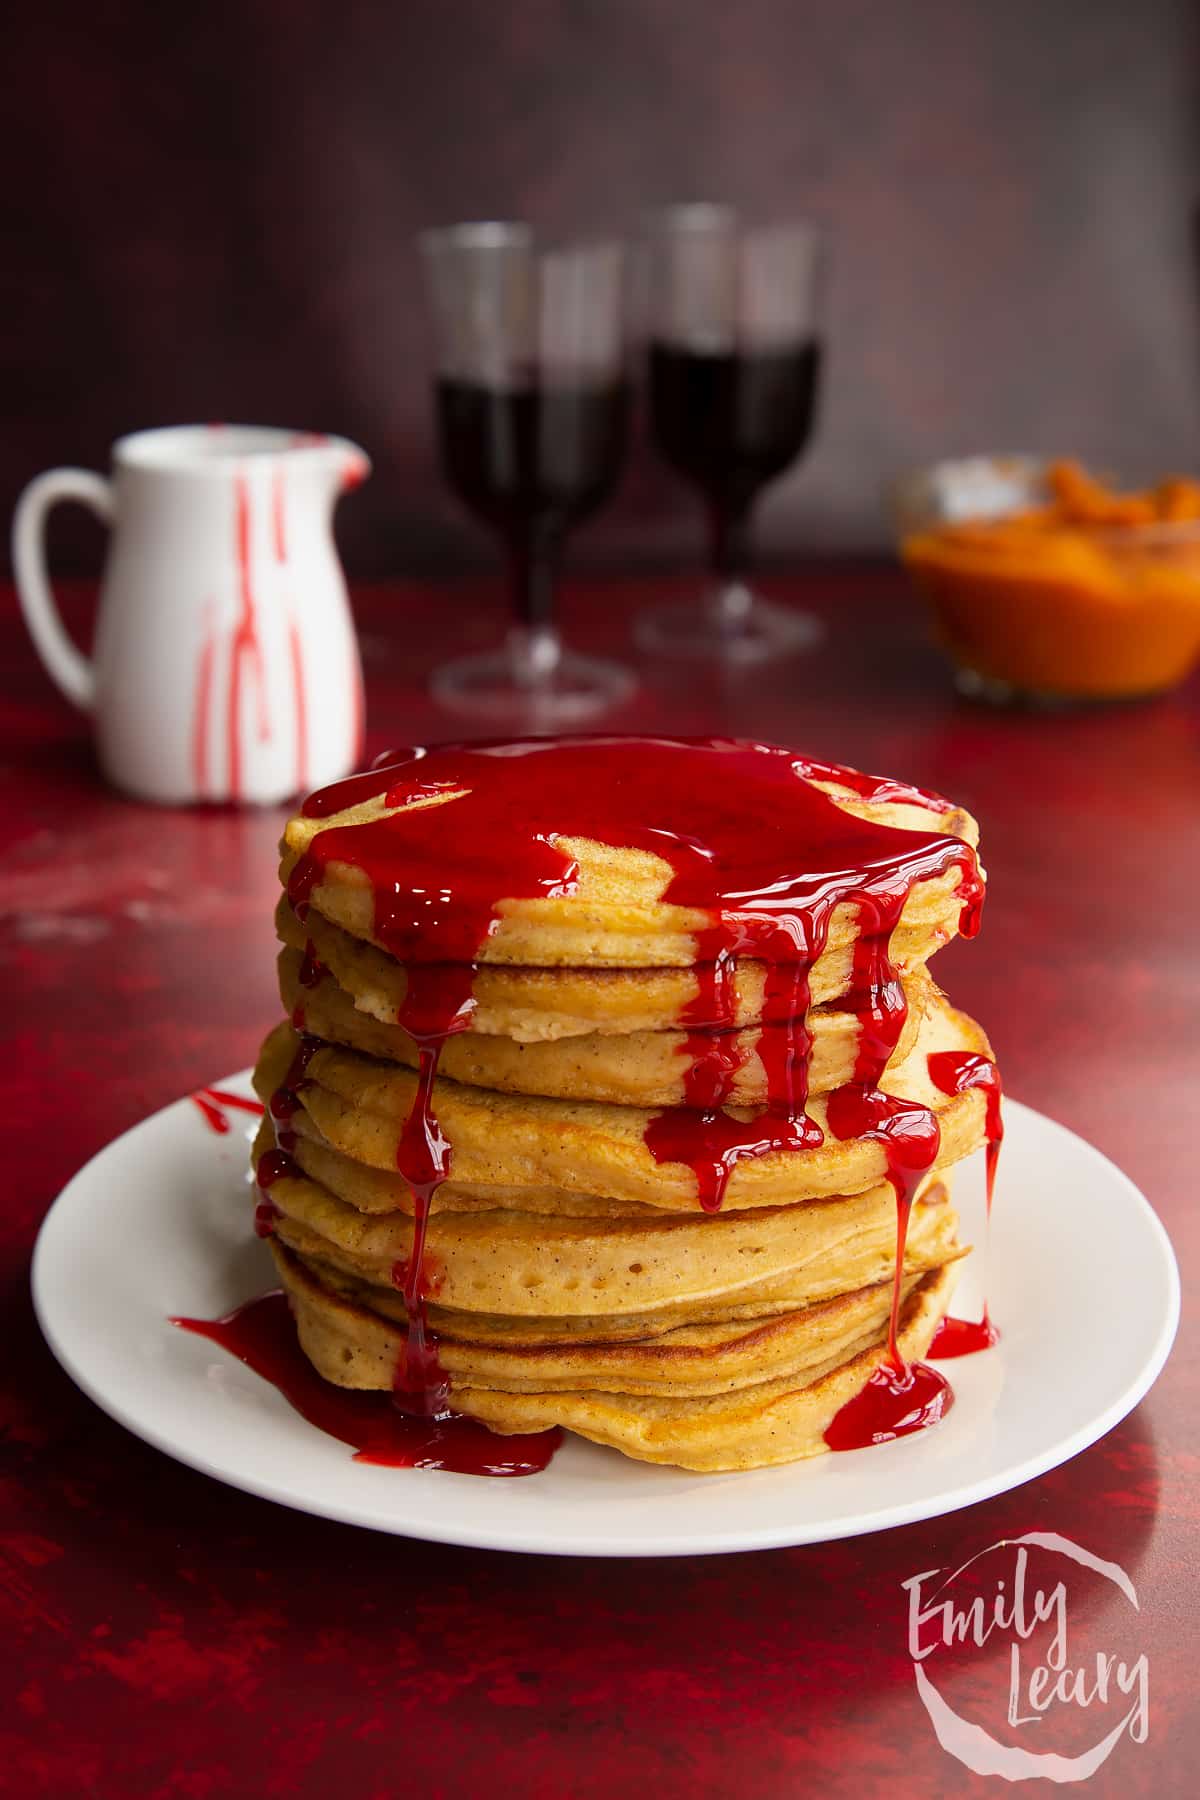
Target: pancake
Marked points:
933	1242
772	1421
612	912
605	1000
503	1141
753	1428
532	1265
534	1005
644	1068
698	1360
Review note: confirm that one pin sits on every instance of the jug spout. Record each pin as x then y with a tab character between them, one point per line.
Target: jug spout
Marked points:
343	465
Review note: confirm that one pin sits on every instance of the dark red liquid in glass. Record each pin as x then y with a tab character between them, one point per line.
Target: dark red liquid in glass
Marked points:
532	459
263	1336
732	420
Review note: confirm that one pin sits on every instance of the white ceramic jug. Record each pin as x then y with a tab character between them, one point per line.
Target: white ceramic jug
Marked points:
226	666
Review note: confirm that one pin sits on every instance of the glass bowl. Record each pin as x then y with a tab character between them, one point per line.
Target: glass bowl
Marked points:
1040	605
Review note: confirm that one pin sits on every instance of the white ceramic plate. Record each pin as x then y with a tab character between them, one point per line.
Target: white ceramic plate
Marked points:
159	1224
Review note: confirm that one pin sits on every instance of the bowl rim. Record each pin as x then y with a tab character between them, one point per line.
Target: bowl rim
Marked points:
910	493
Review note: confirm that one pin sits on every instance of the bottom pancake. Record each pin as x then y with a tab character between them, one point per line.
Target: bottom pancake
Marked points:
830	1351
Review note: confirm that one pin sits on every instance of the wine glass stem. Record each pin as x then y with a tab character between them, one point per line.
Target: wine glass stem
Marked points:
534	646
729	559
534	575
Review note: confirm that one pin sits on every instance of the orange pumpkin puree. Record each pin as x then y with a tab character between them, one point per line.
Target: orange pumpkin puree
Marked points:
1095	594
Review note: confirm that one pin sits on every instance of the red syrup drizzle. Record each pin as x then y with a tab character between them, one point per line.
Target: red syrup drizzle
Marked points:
263	1336
877	787
900	1397
295	644
437	1004
279	514
246	646
710	1141
778	856
300	701
279	536
212	1103
203	704
311	967
278	1162
954	1072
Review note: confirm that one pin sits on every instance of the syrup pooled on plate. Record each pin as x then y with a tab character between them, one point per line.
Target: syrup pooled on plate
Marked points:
767	856
263	1336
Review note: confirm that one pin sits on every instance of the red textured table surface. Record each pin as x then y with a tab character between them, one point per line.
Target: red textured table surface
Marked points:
164	1635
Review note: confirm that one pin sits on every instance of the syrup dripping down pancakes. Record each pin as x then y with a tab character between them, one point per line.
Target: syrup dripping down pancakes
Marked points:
614	1093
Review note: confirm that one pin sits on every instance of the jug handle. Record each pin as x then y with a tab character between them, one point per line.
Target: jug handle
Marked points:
66	664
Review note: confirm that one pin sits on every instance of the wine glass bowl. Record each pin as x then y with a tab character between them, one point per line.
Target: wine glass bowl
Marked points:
734	366
532	407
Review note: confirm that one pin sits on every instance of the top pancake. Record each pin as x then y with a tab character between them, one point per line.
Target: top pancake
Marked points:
503	857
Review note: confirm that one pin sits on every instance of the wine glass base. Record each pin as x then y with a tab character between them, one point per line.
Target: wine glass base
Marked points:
505	691
751	631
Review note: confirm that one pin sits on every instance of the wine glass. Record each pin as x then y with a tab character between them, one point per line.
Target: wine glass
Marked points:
532	419
734	364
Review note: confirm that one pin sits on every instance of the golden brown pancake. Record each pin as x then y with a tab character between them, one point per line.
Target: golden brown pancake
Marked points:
858	1263
686	1360
771	1421
570	1276
614	916
532	1266
533	1005
505	1141
644	1068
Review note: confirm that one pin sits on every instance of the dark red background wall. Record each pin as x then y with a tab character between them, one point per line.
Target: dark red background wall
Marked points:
210	210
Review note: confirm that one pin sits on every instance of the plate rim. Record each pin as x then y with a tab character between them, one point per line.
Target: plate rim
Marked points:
521	1540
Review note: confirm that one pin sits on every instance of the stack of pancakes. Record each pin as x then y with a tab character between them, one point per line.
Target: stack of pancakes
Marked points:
568	1275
